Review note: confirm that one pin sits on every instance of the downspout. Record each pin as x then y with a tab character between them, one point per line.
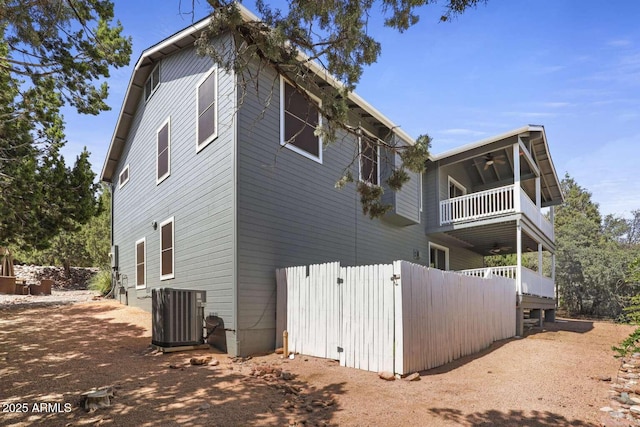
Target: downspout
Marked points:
111	293
234	270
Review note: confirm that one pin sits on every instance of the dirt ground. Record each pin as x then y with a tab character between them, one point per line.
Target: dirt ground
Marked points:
51	354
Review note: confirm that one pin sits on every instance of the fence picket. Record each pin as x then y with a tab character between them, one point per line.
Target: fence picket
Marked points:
423	319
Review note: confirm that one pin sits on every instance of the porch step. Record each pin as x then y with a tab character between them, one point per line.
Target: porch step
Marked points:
530	323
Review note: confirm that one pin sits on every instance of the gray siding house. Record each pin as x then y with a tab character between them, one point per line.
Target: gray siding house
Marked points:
207	196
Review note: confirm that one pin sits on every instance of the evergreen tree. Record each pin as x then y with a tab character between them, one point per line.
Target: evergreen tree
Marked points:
52	53
336	34
591	262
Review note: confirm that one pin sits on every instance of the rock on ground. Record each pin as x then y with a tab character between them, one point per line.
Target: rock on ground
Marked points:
79	279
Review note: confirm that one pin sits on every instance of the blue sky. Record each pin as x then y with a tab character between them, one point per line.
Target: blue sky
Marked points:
572	66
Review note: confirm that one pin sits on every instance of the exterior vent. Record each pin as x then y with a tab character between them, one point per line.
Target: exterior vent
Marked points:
178	316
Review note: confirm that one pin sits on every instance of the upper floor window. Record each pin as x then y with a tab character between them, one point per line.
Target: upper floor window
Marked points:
299	119
167	249
152	82
369	161
163	164
123	178
207	120
141	261
456	189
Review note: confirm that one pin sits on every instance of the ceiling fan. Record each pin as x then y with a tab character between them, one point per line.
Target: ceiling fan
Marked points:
490	159
497	249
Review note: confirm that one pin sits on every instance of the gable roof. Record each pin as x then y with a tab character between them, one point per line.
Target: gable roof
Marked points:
185	39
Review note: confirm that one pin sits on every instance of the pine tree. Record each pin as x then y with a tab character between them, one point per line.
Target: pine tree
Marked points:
52	53
337	35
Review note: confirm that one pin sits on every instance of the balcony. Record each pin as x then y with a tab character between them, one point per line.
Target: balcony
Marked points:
532	282
492	203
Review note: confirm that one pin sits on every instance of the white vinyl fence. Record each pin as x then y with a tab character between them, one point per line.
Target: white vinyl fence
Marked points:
398	317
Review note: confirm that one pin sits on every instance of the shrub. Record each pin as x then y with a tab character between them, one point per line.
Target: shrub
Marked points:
101	282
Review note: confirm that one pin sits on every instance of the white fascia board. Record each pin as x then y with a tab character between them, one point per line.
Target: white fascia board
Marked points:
487	141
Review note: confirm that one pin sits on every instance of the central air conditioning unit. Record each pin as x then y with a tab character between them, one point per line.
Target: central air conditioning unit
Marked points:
178	317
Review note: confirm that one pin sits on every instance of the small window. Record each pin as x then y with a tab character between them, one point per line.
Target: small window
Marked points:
369	161
456	189
299	119
141	262
123	178
167	255
152	83
438	256
207	120
163	165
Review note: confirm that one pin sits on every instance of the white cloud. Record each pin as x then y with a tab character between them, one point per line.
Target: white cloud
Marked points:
608	173
462	132
619	43
557	104
528	114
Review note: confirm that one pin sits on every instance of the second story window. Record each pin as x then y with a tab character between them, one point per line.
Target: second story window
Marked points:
207	121
369	161
123	178
163	165
152	82
299	119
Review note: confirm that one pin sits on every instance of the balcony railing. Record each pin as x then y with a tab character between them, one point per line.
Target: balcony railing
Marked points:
489	203
482	204
532	282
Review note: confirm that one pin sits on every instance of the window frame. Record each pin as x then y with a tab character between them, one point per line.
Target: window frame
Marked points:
216	102
289	144
173	248
451	181
154	85
446	255
167	123
121	182
144	262
377	162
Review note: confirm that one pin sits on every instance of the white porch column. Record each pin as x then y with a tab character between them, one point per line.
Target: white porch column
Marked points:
516	178
540	272
519	309
553	275
552	220
538	195
518	257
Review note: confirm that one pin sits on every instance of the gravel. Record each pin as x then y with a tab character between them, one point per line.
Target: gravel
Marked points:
57	297
554	376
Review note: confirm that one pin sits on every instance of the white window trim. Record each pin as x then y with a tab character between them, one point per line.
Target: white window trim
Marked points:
153	89
122	183
420	189
173	248
456	184
166	175
288	145
217	102
442	248
377	147
144	255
